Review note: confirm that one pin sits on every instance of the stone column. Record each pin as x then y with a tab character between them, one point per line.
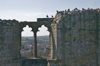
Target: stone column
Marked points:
34	27
35	45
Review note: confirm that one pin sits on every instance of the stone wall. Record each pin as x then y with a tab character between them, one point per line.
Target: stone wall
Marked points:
9	40
78	37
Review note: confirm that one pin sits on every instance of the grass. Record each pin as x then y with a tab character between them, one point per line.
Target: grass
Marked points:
45	40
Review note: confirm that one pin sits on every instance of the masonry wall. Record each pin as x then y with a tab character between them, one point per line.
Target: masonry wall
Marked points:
81	48
9	40
78	37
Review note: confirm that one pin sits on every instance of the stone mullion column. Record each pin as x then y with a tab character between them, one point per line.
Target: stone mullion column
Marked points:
34	27
35	44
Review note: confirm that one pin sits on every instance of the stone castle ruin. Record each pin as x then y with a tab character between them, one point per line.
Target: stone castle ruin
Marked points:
74	40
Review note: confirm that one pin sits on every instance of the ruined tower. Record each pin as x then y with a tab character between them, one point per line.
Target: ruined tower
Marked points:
74	39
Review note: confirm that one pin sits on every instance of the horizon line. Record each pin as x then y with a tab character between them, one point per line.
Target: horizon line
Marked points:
33	36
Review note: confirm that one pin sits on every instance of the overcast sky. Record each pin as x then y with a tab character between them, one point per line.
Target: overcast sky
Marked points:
30	10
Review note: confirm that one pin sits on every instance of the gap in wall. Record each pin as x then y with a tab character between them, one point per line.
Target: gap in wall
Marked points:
43	46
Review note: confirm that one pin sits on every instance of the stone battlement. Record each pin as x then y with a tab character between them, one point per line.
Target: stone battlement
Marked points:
8	22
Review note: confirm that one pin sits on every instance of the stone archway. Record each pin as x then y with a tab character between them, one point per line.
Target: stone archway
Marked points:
34	26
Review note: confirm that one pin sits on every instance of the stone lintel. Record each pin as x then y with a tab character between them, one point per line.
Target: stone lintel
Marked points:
44	19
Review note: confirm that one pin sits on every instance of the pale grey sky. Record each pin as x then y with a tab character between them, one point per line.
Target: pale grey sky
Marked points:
30	10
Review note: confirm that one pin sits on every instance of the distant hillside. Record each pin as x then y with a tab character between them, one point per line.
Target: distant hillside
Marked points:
40	39
31	37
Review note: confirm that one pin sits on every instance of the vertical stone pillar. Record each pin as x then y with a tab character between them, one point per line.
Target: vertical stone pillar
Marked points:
34	29
51	43
52	48
35	45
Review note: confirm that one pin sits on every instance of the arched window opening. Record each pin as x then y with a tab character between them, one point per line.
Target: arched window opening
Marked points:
43	46
26	42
